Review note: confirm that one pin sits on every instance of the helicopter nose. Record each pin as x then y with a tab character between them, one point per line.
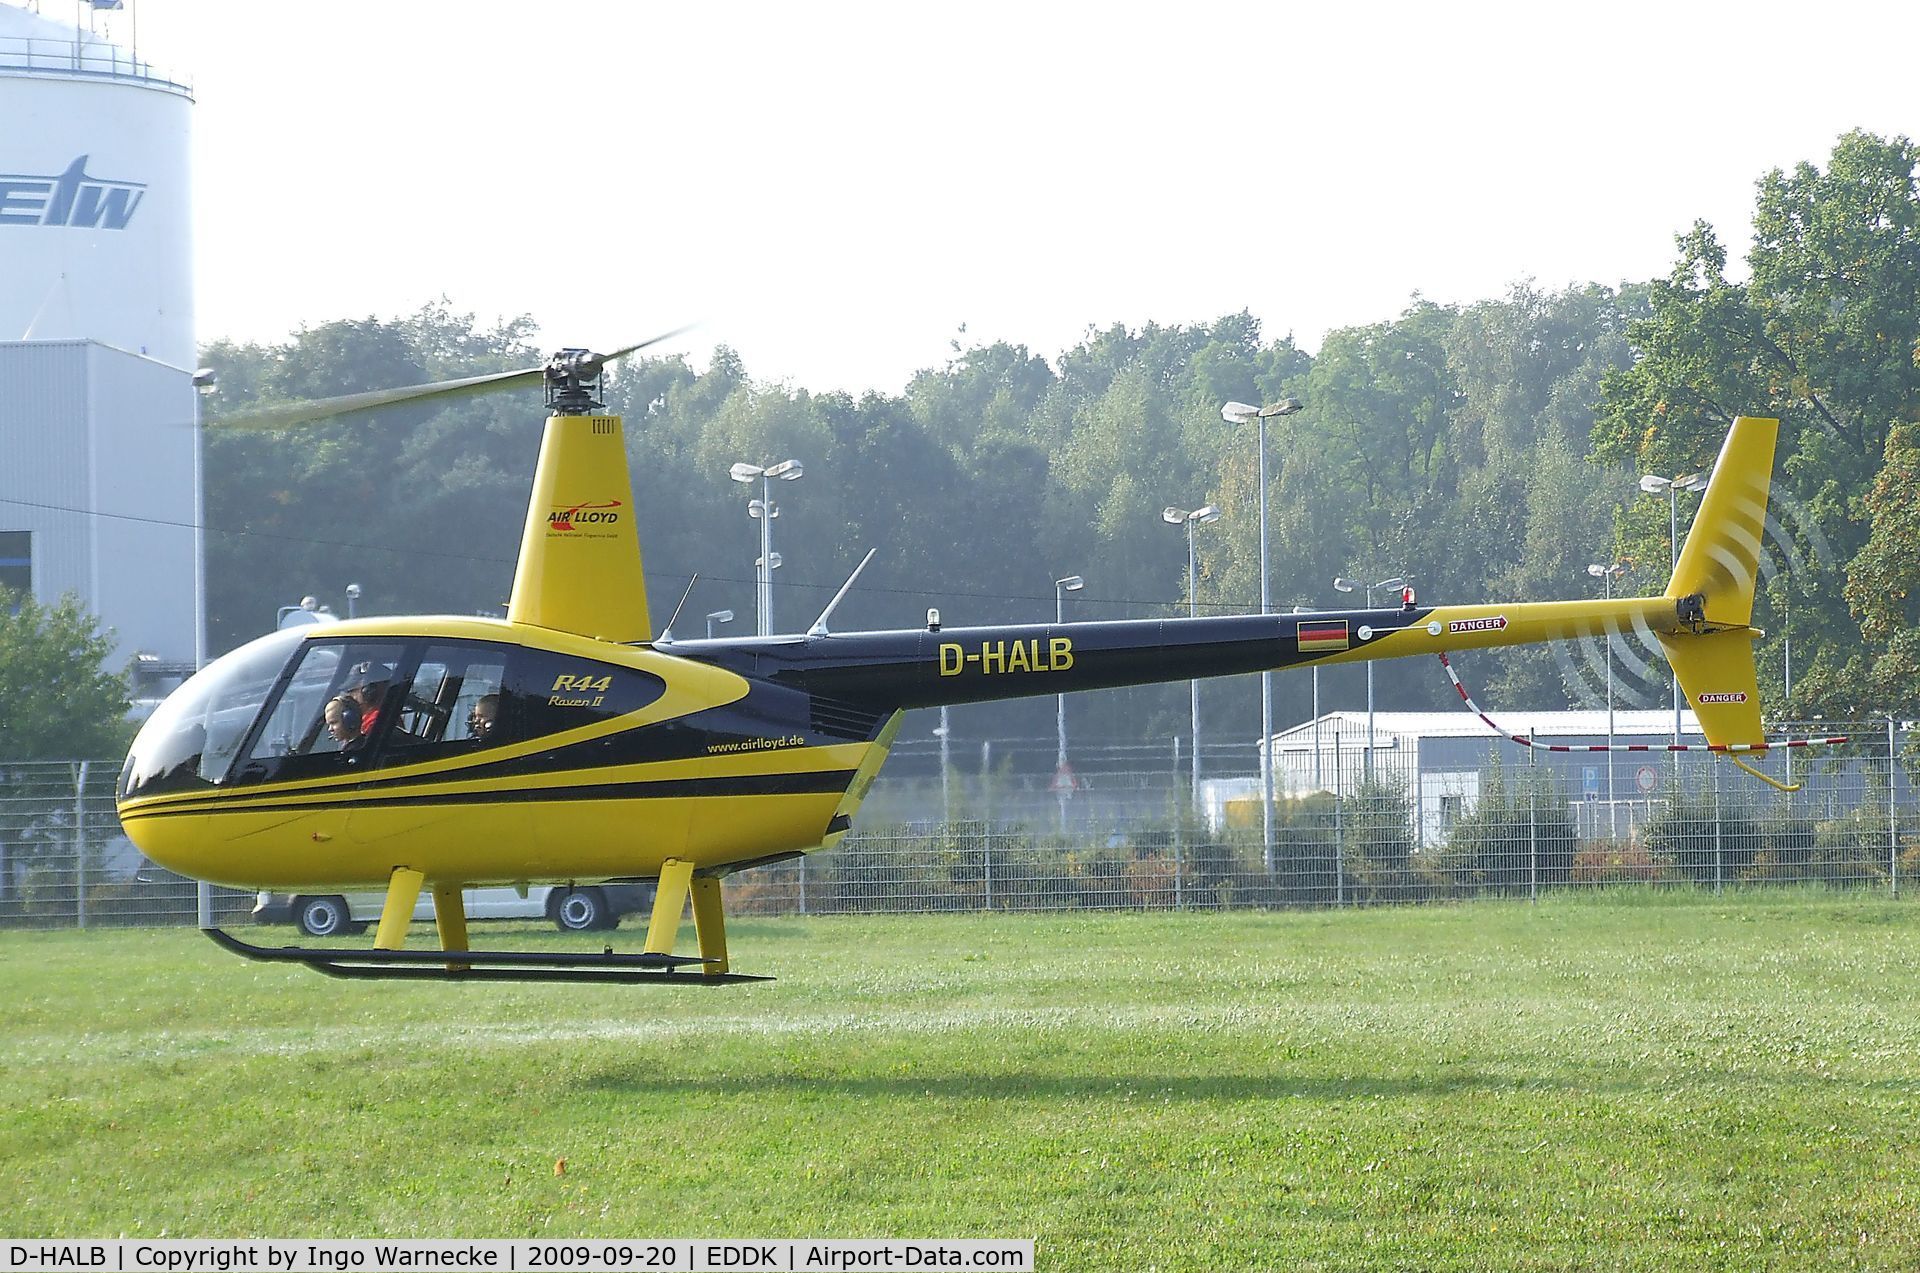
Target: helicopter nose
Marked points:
173	842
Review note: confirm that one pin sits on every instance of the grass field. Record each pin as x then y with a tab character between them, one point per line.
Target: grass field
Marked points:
1616	1082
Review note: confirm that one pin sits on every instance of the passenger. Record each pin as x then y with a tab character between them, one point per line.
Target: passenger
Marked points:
367	686
483	722
343	722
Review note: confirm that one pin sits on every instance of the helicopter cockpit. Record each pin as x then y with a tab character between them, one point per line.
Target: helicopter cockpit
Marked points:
294	706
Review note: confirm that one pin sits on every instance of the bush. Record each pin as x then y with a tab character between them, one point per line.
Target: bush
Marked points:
1852	847
1788	843
1303	852
1616	862
1683	835
1377	842
1518	831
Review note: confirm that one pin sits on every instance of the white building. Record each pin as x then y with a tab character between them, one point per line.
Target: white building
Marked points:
99	444
1441	758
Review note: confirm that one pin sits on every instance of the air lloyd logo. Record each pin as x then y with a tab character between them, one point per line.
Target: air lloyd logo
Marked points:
574	517
1738	696
71	199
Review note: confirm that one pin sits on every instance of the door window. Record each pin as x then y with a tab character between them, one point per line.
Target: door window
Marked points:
329	717
453	707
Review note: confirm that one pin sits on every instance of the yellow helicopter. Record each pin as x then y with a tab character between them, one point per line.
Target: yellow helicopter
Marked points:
570	744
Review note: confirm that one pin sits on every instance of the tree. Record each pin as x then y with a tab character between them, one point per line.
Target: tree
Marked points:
422	504
1823	335
1883	584
57	701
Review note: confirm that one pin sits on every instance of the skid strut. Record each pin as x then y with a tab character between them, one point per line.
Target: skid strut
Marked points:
655	965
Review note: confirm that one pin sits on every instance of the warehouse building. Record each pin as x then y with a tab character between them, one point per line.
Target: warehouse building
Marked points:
100	492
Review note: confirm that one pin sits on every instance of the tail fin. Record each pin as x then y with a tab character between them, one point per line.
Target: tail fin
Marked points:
1722	558
1720	565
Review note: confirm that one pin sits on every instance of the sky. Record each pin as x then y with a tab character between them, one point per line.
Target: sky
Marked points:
842	191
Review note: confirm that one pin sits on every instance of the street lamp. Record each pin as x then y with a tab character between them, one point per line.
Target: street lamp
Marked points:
764	510
1608	574
1318	783
1238	413
1198	517
206	383
1671	488
944	733
1348	585
717	616
1061	587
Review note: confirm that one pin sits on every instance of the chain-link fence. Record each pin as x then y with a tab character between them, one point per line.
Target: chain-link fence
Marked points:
65	862
1133	828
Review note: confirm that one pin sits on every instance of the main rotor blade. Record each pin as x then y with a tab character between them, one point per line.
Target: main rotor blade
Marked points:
618	354
326	408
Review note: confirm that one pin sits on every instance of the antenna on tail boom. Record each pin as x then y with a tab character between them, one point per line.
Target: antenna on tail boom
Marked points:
819	627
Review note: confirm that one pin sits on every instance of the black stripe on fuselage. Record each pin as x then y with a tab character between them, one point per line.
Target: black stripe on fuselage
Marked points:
923	667
713	734
823	782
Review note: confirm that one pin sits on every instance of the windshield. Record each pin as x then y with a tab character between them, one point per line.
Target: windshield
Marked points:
190	742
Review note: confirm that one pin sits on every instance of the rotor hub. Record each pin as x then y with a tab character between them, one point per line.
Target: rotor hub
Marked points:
573	382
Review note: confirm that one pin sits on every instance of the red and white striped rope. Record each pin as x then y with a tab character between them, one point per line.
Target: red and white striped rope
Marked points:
1528	742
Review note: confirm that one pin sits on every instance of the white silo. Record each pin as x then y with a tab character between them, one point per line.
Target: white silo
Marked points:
99	449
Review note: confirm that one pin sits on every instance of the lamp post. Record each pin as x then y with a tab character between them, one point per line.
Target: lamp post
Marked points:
1607	574
1240	413
944	733
1671	488
764	510
1198	517
1061	587
1348	585
1787	690
1317	781
717	616
206	382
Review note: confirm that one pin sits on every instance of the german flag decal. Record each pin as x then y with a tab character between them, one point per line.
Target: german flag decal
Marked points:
1321	636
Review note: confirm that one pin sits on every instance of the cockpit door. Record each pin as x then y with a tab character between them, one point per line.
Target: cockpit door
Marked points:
307	758
439	794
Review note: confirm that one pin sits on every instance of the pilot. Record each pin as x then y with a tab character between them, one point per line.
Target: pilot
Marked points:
343	722
367	687
483	722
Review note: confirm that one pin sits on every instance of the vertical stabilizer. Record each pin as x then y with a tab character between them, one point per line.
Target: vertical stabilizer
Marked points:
580	565
1713	654
1721	561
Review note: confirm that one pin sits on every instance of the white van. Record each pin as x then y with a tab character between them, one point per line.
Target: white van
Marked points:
573	910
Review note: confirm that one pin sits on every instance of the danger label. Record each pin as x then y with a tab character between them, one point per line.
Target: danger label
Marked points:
1494	624
1738	696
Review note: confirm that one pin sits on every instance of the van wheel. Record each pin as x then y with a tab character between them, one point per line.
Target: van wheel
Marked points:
581	910
322	916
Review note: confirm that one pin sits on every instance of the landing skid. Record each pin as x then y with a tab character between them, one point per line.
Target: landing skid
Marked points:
606	967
